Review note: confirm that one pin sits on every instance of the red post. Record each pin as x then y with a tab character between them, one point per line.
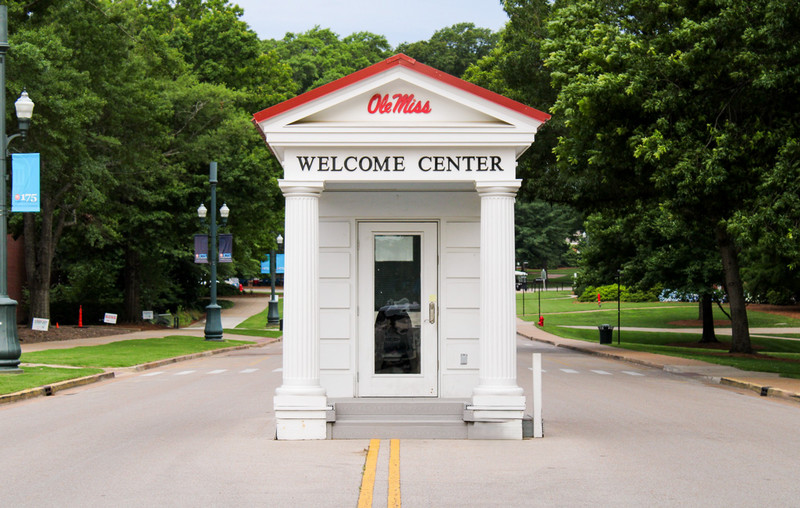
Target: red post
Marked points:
80	317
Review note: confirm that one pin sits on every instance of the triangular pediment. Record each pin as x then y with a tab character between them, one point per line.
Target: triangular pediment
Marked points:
399	102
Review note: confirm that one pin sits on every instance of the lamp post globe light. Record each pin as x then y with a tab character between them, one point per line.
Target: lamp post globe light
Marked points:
10	350
213	328
273	316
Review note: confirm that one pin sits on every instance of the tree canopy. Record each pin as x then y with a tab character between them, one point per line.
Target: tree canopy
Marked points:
691	105
453	49
133	101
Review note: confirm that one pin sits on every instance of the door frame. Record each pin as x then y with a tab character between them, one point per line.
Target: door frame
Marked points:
425	384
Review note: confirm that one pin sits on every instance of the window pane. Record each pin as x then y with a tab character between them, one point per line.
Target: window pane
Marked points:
398	280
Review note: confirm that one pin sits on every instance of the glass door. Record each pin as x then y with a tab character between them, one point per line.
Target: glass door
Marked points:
398	309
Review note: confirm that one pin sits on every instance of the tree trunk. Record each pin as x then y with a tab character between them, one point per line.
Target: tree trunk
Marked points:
40	248
740	340
132	306
38	266
707	315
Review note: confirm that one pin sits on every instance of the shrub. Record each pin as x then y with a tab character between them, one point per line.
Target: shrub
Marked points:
608	293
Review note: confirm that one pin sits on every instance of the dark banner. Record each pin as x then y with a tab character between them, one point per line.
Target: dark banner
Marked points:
200	248
226	248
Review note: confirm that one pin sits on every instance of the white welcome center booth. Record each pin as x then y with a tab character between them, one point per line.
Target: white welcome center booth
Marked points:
399	183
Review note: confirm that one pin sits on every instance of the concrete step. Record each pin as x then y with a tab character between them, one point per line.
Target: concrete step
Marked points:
386	418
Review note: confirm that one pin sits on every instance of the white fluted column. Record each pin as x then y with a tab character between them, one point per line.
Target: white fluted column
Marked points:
300	402
498	402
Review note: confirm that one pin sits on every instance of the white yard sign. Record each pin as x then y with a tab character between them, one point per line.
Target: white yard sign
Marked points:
40	324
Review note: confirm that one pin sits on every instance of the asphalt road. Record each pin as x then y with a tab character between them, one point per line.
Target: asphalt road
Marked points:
201	433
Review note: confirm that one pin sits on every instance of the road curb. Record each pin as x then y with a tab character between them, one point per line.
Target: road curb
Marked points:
763	390
44	391
604	354
47	390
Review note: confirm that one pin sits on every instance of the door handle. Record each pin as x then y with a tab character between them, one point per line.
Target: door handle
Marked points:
432	313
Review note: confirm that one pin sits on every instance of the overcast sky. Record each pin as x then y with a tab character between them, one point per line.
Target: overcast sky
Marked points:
398	20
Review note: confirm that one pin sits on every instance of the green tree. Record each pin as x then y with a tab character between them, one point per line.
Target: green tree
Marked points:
318	56
690	104
652	248
541	232
515	68
452	49
59	50
125	161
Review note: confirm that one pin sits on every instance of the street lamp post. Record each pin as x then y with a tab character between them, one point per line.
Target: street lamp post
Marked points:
10	350
213	328
273	316
619	306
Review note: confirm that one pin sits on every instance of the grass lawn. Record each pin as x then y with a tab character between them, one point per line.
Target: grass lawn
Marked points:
274	334
665	316
559	310
770	357
256	325
127	353
32	377
562	301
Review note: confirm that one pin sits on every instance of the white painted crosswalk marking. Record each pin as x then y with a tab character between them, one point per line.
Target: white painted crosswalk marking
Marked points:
151	374
279	369
185	372
631	373
531	368
247	371
568	371
602	372
218	371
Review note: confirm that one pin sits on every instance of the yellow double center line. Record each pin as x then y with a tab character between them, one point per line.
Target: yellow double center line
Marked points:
370	468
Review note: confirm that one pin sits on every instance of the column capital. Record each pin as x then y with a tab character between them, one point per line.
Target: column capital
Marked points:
299	188
499	188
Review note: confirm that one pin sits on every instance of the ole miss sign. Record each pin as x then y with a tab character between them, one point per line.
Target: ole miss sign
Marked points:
400	103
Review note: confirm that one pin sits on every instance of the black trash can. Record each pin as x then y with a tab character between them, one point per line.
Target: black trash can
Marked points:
606	333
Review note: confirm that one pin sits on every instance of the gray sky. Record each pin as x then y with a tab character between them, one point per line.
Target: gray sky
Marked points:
398	20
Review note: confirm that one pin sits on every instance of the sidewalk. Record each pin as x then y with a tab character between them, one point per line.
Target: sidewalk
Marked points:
244	307
767	384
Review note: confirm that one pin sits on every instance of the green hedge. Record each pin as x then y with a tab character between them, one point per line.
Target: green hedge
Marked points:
609	294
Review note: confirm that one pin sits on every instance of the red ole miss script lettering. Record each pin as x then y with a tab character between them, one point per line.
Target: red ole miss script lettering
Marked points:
403	103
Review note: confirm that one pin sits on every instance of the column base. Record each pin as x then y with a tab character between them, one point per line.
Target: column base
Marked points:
496	416
213	328
300	417
511	429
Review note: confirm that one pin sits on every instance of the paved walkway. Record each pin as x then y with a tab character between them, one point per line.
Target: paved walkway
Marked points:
244	307
765	383
772	333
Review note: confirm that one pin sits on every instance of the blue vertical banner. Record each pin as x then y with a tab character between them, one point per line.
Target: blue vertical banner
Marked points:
226	248
201	248
25	182
278	264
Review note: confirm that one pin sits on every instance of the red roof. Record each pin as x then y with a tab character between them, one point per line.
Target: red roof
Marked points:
391	62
